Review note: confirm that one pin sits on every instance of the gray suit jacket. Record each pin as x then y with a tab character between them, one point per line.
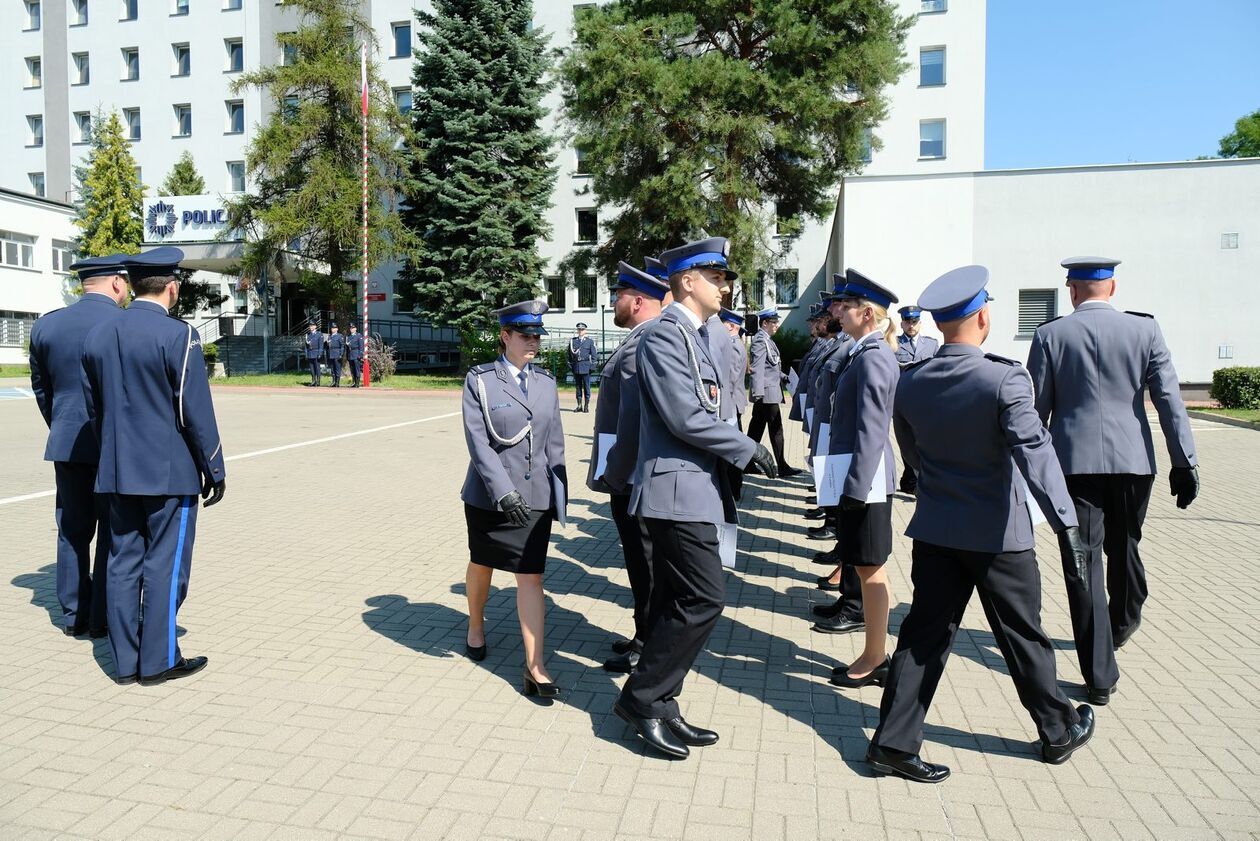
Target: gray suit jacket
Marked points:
797	412
738	358
1091	371
617	413
496	469
862	406
924	347
822	386
767	375
966	421
678	476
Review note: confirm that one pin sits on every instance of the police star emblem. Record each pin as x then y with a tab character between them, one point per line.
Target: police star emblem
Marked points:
726	248
713	391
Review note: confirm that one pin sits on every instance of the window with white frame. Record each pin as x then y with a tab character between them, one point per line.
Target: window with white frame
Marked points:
927	7
34	72
288	51
1036	306
587	225
785	212
182	54
34	129
236	176
33	15
130	10
81	69
580	165
79	13
18	249
181	7
787	287
83	125
183	120
586	288
235	54
402	39
131	64
1229	241
231	5
866	150
235	116
557	292
37	183
63	255
131	116
931	139
402	98
290	107
931	67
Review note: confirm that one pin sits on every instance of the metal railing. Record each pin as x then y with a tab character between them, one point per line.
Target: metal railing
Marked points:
14	332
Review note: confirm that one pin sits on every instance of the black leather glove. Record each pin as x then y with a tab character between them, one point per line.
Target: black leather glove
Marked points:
1184	484
757	398
851	503
212	492
764	460
1072	552
513	505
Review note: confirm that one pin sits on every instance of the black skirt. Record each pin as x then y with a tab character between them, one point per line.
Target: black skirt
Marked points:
496	543
865	535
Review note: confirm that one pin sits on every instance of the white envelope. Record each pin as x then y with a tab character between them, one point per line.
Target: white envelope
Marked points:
1035	515
793	379
604	445
835	469
728	534
560	498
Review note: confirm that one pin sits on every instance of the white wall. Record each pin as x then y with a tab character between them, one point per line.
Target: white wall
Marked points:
38	289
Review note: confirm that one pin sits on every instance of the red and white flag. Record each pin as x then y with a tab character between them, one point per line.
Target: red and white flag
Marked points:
363	67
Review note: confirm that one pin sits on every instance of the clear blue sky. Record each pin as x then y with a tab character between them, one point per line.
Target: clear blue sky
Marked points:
1107	81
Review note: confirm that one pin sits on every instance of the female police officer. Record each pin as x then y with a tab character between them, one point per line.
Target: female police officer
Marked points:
516	483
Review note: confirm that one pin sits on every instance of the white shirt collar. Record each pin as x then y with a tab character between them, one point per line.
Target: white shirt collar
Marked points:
512	369
1106	304
858	344
691	317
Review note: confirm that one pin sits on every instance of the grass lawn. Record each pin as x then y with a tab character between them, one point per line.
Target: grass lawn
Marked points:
15	370
1252	415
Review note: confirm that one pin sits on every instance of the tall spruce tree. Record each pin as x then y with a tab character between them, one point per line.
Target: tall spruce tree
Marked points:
111	197
481	169
194	295
702	115
305	162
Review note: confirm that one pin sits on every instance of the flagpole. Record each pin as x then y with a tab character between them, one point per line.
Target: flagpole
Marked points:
367	376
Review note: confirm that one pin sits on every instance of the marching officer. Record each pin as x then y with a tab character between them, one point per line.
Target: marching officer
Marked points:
1092	371
314	350
637	302
354	353
581	362
516	484
911	347
766	391
336	355
681	492
966	421
148	397
57	382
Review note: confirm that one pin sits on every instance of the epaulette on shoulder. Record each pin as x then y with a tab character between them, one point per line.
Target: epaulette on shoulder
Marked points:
917	363
1142	314
995	358
483	368
543	372
1049	321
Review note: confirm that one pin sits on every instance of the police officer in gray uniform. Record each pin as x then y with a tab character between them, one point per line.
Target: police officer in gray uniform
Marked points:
682	493
766	389
823	375
1092	371
637	300
911	347
336	354
966	421
817	338
314	350
581	352
735	398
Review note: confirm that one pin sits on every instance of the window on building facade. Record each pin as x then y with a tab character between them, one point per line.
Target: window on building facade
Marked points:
37	183
932	139
927	7
81	74
131	116
1229	241
402	98
34	129
587	225
79	13
236	176
183	59
288	52
787	287
557	292
34	72
784	213
402	39
181	7
757	291
63	255
131	64
231	5
235	116
580	9
931	66
866	146
1035	307
33	15
130	10
83	124
235	54
586	287
18	249
580	166
183	120
290	107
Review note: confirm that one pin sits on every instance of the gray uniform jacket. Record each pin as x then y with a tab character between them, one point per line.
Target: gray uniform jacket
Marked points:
1091	371
767	375
862	406
965	421
738	358
797	412
617	413
923	348
678	476
822	386
497	468
720	353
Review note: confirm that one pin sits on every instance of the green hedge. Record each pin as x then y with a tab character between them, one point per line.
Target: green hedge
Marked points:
1236	388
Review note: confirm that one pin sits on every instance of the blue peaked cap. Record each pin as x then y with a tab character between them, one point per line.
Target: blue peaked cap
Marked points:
153	263
956	294
655	268
704	254
628	277
732	316
768	314
1090	268
858	285
524	317
108	264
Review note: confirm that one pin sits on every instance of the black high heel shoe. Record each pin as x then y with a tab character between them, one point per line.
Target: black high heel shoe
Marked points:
529	686
840	676
476	653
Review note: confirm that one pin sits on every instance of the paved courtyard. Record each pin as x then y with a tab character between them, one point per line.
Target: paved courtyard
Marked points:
327	592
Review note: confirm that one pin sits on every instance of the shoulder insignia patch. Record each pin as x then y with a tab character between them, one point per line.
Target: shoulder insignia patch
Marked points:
1142	314
543	372
995	358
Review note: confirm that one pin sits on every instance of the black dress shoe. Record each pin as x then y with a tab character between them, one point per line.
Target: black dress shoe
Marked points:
622	646
529	686
838	625
1099	696
185	667
623	663
476	653
787	471
905	765
655	732
689	734
76	631
811	500
909	490
816	514
98	633
827	611
1078	735
824	584
878	676
823	532
1119	638
125	680
829	558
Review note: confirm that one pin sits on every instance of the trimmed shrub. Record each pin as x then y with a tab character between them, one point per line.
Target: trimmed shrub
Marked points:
1236	388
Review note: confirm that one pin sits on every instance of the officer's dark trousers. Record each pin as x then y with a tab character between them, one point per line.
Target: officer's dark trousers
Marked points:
850	601
763	415
81	515
335	365
688	593
1111	509
150	554
636	546
583	389
313	364
1009	584
356	370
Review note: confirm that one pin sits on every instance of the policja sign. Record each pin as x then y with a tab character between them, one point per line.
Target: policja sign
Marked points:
169	219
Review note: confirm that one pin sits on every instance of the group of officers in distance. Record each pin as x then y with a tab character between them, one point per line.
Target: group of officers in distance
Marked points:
990	449
340	350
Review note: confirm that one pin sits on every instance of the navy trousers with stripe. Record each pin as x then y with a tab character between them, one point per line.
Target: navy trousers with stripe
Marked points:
151	539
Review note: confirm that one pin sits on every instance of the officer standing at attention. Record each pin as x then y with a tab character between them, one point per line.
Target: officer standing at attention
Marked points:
966	421
681	491
816	340
57	381
515	477
1091	371
582	362
149	400
354	352
823	374
336	355
314	350
735	398
911	347
637	300
766	391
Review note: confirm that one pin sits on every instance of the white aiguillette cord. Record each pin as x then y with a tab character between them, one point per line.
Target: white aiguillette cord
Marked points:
710	405
526	432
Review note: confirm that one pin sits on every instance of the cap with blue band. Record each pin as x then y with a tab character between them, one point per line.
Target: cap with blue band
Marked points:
768	314
732	317
1090	268
704	254
628	277
909	312
655	268
156	262
858	285
956	294
103	266
523	317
